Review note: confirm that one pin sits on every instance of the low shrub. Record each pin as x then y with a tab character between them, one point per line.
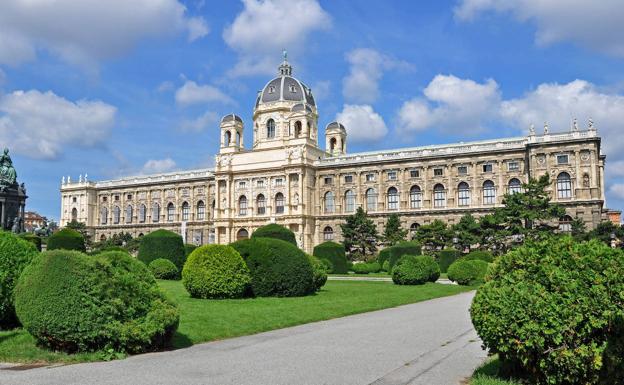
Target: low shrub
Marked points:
15	255
327	265
393	253
467	272
446	258
216	271
335	253
273	230
366	268
480	255
188	249
66	239
277	267
32	238
164	269
553	312
73	302
415	270
319	270
162	244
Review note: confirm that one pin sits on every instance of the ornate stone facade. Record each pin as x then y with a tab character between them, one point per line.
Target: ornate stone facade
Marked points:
286	178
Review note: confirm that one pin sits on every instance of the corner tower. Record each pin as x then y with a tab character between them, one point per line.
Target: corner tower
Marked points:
285	112
335	139
231	134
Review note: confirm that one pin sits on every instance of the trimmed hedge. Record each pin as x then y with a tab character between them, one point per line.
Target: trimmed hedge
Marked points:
467	272
446	258
163	269
32	238
415	270
273	230
386	267
73	302
15	255
480	255
320	271
216	271
335	253
66	239
277	267
366	268
162	244
393	253
188	249
553	311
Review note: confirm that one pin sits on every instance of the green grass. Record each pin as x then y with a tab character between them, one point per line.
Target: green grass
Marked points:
208	320
488	374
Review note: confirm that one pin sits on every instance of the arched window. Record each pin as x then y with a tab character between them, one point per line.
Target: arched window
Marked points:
116	215
332	144
129	214
564	186
185	211
329	202
74	215
279	203
415	197
349	201
328	233
371	200
242	206
515	186
489	193
201	211
463	194
261	204
170	212
413	228
103	215
155	212
270	128
238	139
439	195
102	238
142	213
227	138
565	224
242	234
393	198
297	129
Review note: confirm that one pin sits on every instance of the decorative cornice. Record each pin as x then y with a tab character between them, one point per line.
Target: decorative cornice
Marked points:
178	176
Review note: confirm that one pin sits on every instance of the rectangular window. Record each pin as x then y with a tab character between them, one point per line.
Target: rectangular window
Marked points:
438	172
392	175
242	185
370	177
462	170
414	174
116	197
260	183
279	182
104	199
562	159
129	196
513	166
328	180
487	167
348	178
439	198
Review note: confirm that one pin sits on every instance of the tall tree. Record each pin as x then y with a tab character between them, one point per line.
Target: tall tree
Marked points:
394	233
434	236
360	235
467	231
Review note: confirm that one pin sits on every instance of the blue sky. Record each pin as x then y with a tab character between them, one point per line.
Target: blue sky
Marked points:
119	88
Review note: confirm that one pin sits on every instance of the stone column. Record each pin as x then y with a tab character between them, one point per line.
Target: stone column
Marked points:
22	215
2	203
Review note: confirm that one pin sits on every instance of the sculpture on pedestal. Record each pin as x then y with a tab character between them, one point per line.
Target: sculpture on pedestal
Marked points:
12	196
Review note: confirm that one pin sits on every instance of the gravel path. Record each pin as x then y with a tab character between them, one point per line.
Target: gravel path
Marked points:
430	342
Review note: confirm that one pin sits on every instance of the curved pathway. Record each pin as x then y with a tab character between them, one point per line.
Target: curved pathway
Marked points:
430	342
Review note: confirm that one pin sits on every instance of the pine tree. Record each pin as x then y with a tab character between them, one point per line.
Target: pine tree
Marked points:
434	236
393	233
467	231
360	235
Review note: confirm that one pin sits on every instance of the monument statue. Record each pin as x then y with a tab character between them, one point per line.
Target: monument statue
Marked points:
12	196
8	176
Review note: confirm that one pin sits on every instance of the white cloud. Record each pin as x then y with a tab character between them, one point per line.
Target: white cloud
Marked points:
193	93
362	123
367	66
265	27
41	125
84	32
165	86
199	124
597	25
155	166
452	105
321	89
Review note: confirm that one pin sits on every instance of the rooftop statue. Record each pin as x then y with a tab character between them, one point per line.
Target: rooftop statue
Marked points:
8	176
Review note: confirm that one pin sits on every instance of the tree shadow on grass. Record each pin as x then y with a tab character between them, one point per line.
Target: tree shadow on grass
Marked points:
180	341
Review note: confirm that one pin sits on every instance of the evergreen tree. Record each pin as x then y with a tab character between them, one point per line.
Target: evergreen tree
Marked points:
434	236
393	233
467	231
360	235
579	230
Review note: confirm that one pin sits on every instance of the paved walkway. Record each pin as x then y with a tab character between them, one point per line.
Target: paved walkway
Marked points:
430	342
376	278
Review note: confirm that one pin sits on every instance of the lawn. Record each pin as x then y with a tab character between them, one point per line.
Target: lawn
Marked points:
209	320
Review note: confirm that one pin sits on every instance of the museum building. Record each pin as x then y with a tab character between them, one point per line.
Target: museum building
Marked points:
286	178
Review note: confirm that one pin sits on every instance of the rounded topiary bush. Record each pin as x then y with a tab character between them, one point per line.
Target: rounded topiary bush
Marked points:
162	244
15	255
393	253
32	238
164	269
467	272
70	301
361	268
479	255
215	271
327	265
335	253
66	239
446	258
553	311
320	272
277	267
415	270
273	230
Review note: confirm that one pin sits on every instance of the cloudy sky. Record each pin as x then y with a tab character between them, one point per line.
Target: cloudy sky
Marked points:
115	88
